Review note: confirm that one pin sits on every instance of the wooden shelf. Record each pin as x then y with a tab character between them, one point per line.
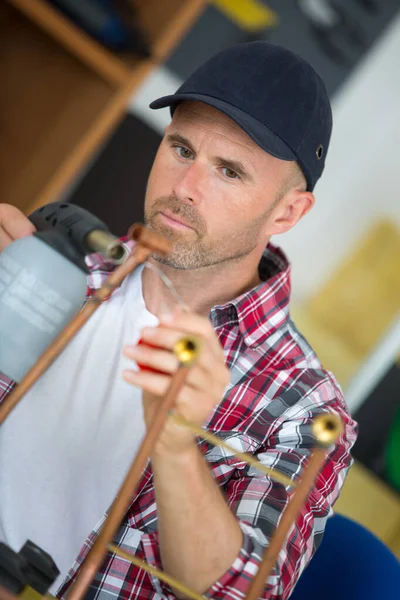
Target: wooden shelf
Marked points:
49	98
75	40
164	21
63	93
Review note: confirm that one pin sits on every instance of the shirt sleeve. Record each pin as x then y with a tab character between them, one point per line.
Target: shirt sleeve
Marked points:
259	502
6	386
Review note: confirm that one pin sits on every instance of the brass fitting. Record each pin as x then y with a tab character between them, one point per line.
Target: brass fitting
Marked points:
187	350
326	429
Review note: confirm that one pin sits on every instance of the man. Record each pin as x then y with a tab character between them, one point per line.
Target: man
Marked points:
238	164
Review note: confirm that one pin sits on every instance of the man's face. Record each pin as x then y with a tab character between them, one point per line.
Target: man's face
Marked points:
217	183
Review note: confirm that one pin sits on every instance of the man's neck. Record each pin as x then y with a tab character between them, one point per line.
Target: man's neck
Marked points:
200	289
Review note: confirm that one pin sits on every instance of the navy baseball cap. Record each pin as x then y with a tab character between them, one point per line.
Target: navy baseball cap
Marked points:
273	94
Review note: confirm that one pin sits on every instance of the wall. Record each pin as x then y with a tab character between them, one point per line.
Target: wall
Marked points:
361	180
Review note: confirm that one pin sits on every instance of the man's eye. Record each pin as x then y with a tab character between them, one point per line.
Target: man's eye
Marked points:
230	173
183	152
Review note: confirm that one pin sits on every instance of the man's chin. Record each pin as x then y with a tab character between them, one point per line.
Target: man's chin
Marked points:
173	262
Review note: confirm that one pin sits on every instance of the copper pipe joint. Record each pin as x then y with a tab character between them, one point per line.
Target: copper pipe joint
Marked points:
145	237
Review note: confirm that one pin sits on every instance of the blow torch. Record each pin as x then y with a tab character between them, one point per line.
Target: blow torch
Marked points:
43	281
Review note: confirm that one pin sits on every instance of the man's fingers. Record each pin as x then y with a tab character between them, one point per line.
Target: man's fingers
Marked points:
155	383
5	239
166	337
159	359
191	403
194	324
158	384
14	223
165	362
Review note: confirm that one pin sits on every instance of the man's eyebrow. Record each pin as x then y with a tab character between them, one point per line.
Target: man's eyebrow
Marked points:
234	165
180	139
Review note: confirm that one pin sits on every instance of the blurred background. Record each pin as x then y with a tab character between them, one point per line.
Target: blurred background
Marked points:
76	80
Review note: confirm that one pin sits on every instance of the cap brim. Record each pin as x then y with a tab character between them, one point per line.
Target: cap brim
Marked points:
262	135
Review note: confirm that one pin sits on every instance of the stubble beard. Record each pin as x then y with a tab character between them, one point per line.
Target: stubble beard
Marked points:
192	249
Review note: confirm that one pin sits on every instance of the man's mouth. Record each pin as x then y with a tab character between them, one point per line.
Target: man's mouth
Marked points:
174	221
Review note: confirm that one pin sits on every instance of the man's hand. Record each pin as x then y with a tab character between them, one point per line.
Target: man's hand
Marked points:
198	534
205	384
13	225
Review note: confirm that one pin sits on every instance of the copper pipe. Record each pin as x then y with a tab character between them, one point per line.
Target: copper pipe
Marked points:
153	243
186	350
326	428
172	582
244	456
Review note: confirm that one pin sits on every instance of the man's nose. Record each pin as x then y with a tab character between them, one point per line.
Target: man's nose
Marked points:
190	183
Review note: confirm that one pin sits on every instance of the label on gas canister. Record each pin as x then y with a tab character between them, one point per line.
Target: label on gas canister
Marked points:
22	292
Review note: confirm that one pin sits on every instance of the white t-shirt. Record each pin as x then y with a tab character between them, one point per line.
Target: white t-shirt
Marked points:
65	449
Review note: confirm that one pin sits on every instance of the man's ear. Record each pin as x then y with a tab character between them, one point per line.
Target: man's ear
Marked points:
289	210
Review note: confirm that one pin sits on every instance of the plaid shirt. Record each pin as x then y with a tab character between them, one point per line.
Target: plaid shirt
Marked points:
277	387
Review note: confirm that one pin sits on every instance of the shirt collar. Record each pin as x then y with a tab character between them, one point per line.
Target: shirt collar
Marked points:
258	312
263	309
